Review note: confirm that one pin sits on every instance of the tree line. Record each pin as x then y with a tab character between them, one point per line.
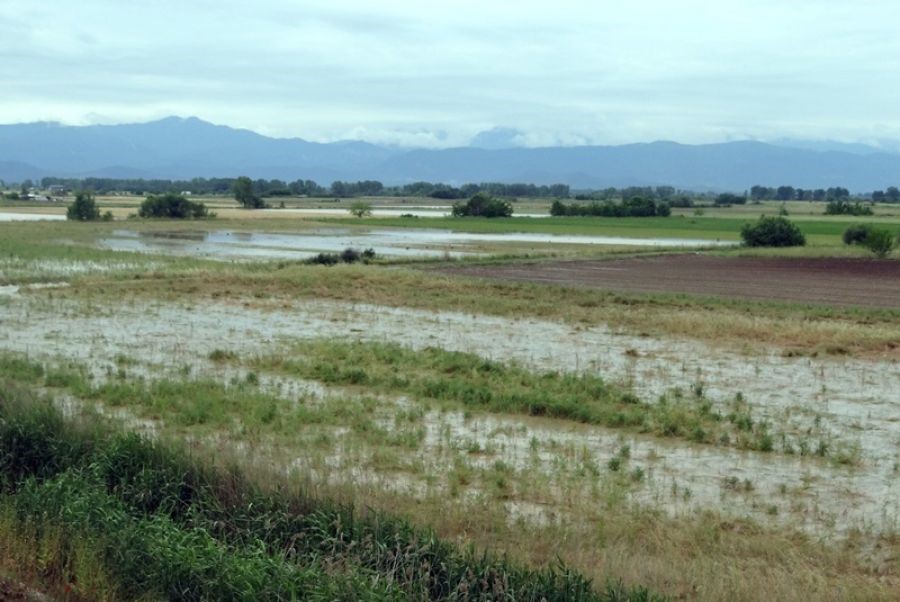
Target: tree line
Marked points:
276	188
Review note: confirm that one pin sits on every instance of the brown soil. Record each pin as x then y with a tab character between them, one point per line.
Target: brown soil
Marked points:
823	281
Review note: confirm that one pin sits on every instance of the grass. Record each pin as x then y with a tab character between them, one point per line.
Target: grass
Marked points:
817	231
476	383
154	522
598	530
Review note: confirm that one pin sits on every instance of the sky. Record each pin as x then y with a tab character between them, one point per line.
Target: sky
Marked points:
435	74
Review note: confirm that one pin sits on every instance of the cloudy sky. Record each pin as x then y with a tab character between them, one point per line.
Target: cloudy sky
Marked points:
436	73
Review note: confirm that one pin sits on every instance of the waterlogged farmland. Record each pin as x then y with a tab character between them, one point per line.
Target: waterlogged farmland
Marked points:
226	245
532	420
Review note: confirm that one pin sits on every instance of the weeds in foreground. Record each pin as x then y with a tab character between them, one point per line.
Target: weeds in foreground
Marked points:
155	521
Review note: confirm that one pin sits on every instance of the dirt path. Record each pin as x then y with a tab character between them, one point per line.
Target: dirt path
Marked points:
825	281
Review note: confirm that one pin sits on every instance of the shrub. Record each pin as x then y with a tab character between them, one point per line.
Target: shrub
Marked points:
726	199
172	206
856	234
843	207
483	205
633	207
360	209
83	209
880	243
348	255
772	232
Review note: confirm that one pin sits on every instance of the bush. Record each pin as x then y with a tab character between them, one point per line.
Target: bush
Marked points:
880	242
856	234
172	206
633	207
360	209
483	205
772	232
348	255
84	209
727	199
842	207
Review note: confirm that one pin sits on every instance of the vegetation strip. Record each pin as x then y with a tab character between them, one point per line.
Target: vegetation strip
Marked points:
157	521
475	382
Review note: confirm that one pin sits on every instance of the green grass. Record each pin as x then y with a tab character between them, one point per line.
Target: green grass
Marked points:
159	523
473	382
818	231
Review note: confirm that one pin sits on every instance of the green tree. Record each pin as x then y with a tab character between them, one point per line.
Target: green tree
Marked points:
857	234
360	208
483	205
83	209
772	232
880	242
243	194
892	194
173	206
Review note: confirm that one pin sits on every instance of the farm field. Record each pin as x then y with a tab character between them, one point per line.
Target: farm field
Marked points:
653	437
819	281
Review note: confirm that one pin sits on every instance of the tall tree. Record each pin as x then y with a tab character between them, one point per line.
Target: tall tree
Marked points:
243	193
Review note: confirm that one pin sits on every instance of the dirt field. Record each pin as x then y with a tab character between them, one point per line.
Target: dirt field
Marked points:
846	282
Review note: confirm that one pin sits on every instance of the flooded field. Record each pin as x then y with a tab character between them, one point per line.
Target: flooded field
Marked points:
850	405
728	447
226	244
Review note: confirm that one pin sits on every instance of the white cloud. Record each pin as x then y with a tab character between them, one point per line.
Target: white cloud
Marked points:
403	72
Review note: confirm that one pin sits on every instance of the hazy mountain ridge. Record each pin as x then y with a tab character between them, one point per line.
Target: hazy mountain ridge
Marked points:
189	147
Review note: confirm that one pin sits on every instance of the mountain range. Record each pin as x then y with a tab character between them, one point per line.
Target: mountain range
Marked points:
184	148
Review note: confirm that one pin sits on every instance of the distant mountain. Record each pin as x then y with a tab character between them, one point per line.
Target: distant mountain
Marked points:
178	148
834	146
16	171
186	148
727	166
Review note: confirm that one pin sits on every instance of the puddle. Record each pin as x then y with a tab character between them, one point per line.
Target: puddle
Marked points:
226	244
30	217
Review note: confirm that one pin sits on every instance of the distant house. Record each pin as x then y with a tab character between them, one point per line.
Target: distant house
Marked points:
41	198
185	193
57	190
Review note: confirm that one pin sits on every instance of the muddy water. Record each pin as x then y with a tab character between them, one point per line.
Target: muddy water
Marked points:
224	244
857	401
